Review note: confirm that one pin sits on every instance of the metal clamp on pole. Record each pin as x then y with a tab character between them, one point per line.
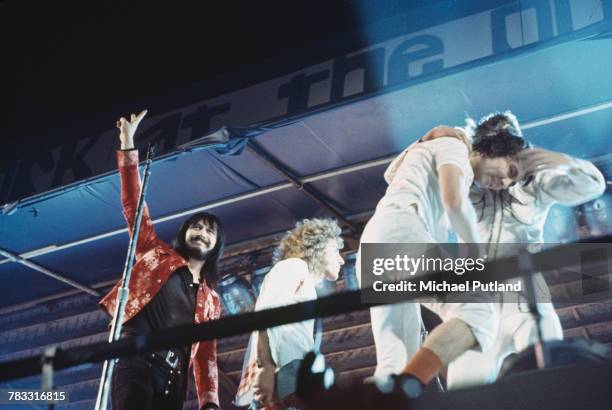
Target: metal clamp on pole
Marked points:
526	269
123	293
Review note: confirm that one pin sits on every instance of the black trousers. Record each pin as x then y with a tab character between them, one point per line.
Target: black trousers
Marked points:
145	382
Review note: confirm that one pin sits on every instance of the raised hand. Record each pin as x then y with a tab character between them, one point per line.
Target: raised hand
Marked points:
537	159
127	129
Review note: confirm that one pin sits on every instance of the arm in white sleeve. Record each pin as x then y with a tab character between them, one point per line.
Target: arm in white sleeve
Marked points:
453	166
280	288
570	184
459	209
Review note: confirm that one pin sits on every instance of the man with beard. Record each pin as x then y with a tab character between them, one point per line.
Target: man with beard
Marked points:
169	287
515	213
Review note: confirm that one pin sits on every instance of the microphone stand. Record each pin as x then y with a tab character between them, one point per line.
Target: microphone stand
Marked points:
526	267
123	293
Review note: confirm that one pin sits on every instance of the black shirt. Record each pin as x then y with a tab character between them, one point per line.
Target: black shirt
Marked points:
173	305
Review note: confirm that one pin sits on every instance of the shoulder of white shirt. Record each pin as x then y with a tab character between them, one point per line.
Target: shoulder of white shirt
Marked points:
441	143
291	266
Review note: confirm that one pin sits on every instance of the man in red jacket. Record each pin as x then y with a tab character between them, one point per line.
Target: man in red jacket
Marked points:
169	287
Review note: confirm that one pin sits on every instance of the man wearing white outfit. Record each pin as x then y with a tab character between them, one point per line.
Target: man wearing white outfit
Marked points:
306	255
427	196
514	215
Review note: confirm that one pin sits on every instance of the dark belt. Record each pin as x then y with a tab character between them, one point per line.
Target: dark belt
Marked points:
170	362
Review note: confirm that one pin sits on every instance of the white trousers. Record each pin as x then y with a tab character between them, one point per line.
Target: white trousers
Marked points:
397	328
516	332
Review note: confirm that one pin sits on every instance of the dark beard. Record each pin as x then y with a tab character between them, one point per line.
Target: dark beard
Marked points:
196	253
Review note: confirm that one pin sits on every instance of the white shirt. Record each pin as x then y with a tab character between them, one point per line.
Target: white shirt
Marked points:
413	179
288	282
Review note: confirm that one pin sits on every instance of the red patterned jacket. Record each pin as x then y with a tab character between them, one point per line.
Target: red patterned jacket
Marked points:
155	262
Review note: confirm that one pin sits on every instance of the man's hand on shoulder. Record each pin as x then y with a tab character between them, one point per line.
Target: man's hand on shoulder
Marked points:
445	131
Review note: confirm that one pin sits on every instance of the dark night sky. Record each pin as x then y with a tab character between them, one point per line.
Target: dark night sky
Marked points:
79	62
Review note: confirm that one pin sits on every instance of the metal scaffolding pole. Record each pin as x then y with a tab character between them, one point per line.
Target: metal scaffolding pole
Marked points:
32	265
269	159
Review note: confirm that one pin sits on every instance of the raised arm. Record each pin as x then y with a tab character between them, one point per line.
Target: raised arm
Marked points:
560	178
127	160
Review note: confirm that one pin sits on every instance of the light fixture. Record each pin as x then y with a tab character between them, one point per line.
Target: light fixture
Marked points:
236	296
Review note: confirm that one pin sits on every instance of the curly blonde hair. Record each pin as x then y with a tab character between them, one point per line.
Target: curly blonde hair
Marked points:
307	241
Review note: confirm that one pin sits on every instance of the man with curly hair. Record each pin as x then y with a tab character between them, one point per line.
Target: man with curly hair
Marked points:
516	214
305	256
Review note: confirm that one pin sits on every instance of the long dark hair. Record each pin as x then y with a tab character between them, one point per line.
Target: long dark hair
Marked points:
498	135
209	271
